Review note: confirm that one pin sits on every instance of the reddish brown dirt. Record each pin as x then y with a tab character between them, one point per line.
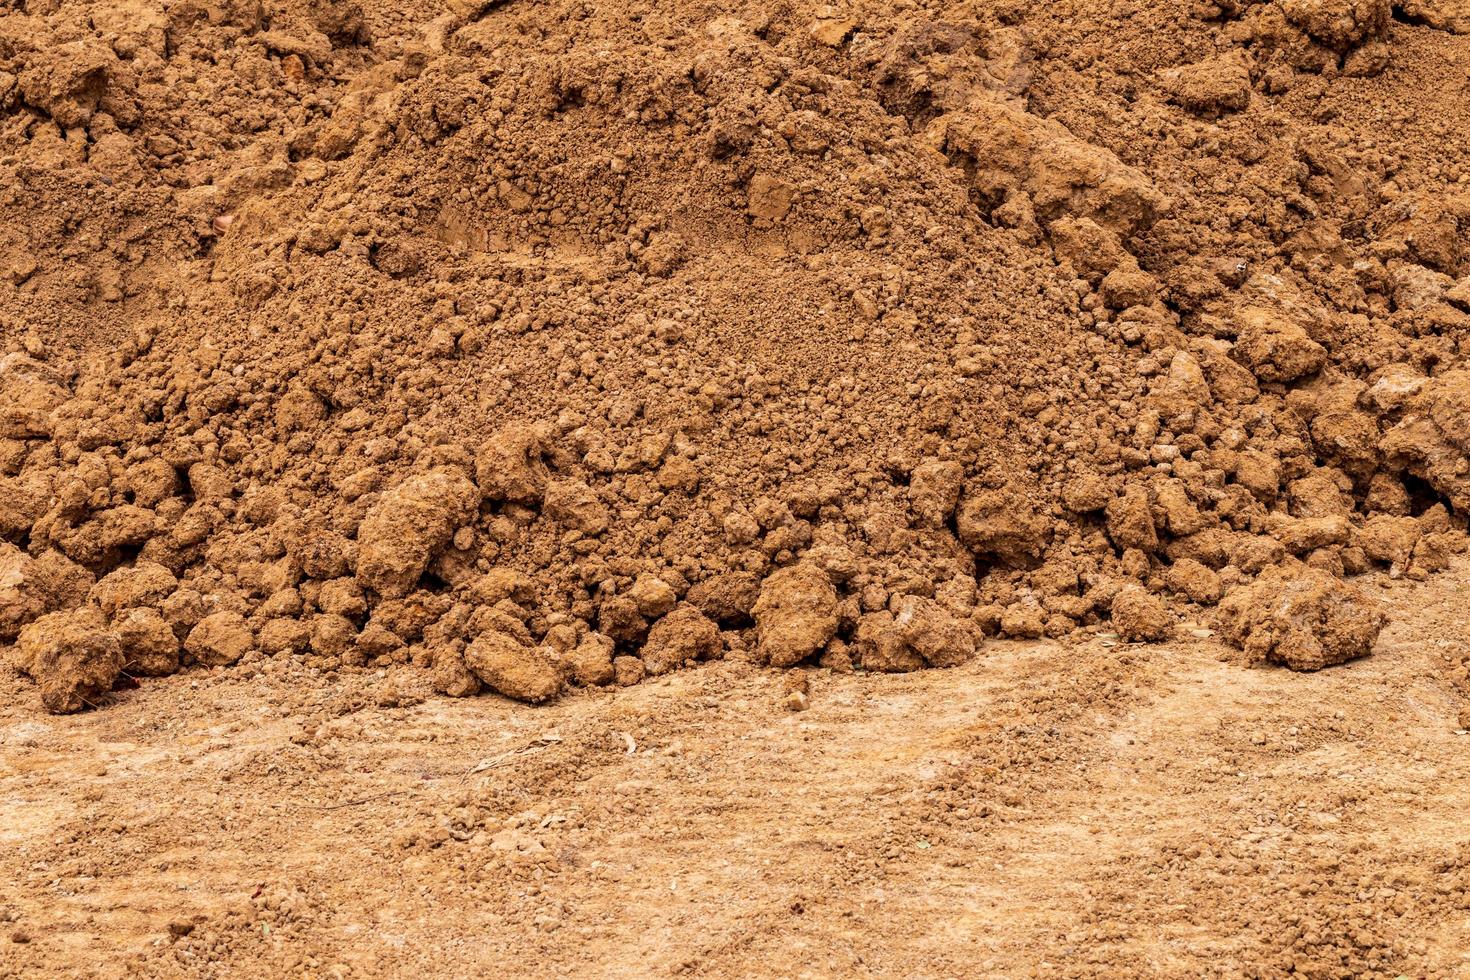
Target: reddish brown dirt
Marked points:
358	353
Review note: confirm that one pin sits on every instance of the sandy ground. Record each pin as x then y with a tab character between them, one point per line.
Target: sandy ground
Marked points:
1085	809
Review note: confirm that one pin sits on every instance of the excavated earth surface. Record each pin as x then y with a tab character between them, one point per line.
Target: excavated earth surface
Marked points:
684	369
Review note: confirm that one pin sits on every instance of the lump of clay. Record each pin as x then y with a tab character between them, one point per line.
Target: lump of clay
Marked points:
1340	24
1195	580
149	646
1002	522
930	631
1128	285
727	597
1131	520
510	465
796	614
880	646
576	505
1433	439
683	636
104	541
409	526
72	81
133	27
1138	614
591	660
1275	348
1213	86
29	394
1006	149
1086	493
652	595
1300	616
18	603
934	490
451	676
23	501
220	639
1442	15
1090	249
299	408
73	657
1389	539
31	587
144	584
511	668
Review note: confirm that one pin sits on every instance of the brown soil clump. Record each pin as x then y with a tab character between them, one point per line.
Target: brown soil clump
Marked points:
1301	617
72	656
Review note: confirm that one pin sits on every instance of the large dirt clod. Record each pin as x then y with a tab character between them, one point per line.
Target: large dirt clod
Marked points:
509	667
682	637
409	526
220	639
73	657
795	615
1302	617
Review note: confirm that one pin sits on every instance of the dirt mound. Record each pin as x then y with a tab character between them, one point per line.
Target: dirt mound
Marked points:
536	344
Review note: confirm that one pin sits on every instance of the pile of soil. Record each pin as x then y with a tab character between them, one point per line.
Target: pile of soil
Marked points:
538	344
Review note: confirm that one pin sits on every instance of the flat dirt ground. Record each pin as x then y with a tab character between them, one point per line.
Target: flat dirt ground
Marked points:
1047	809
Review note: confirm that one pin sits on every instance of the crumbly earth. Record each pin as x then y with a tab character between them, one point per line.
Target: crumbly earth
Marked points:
379	333
528	350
